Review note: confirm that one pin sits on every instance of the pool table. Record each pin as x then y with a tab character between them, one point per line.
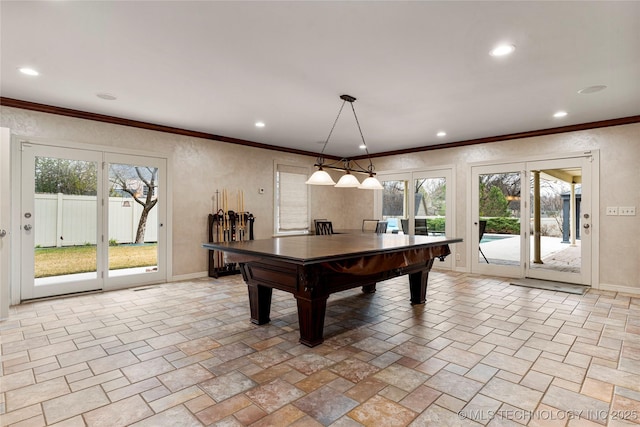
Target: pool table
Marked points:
312	267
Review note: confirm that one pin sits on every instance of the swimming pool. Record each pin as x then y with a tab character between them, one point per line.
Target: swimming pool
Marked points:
491	237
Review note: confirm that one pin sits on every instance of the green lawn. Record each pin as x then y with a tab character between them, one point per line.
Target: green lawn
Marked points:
82	259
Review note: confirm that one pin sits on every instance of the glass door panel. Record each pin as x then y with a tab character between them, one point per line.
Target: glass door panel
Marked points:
497	238
135	224
395	205
60	217
558	212
430	206
433	209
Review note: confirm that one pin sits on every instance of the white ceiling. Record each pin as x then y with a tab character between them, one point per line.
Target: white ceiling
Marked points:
415	67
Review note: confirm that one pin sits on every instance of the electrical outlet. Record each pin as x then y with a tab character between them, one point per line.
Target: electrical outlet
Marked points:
612	210
628	210
457	257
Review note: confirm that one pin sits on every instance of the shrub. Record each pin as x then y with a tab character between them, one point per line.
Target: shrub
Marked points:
436	224
502	225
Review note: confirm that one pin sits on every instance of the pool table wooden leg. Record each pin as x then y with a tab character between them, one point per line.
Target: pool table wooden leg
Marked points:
259	303
369	289
418	284
311	313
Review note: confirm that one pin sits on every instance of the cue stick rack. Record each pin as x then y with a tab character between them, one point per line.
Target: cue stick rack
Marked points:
226	225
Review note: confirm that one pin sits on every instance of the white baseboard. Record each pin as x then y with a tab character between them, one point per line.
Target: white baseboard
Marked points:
189	276
619	288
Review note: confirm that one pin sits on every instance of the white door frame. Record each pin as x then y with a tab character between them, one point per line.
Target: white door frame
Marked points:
6	229
16	160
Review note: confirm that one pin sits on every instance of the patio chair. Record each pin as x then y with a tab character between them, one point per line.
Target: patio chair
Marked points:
323	227
381	227
421	226
369	225
483	225
315	222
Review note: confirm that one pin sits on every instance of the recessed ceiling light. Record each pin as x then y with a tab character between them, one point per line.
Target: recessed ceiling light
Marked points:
106	96
592	89
260	124
560	114
29	71
502	50
441	133
363	147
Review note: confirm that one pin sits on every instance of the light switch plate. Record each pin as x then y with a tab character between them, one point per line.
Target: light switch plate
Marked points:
612	210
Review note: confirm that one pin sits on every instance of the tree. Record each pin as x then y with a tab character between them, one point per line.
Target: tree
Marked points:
73	177
393	198
508	183
493	202
433	199
139	183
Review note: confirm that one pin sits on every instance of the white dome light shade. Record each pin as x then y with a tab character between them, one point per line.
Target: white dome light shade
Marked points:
371	183
320	177
348	181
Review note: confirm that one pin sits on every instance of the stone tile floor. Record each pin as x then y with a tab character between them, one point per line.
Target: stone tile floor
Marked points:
480	352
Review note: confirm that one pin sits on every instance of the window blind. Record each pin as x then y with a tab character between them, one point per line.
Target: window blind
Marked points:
293	199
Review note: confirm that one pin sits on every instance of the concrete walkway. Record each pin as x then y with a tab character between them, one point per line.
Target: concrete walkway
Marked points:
554	253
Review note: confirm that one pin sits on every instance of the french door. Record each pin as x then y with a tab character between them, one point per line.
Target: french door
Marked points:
418	203
5	220
560	220
90	220
533	219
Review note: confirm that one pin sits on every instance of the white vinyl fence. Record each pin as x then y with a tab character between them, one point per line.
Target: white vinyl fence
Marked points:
63	220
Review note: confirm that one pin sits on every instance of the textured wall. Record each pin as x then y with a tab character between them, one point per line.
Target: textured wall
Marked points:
619	146
201	166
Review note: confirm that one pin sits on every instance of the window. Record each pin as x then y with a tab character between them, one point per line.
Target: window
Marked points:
292	200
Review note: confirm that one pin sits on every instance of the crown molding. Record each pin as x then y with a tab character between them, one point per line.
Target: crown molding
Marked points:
43	108
519	135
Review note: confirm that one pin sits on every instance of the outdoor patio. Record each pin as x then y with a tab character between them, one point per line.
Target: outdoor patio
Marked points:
555	255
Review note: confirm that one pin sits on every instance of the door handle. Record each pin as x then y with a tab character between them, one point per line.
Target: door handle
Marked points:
586	226
3	233
27	227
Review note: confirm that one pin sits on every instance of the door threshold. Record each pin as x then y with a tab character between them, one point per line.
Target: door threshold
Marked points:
70	294
549	285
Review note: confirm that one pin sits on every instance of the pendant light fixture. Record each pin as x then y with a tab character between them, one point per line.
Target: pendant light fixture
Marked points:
348	180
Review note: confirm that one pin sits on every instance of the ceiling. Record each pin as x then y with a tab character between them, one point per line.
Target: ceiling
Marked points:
416	68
